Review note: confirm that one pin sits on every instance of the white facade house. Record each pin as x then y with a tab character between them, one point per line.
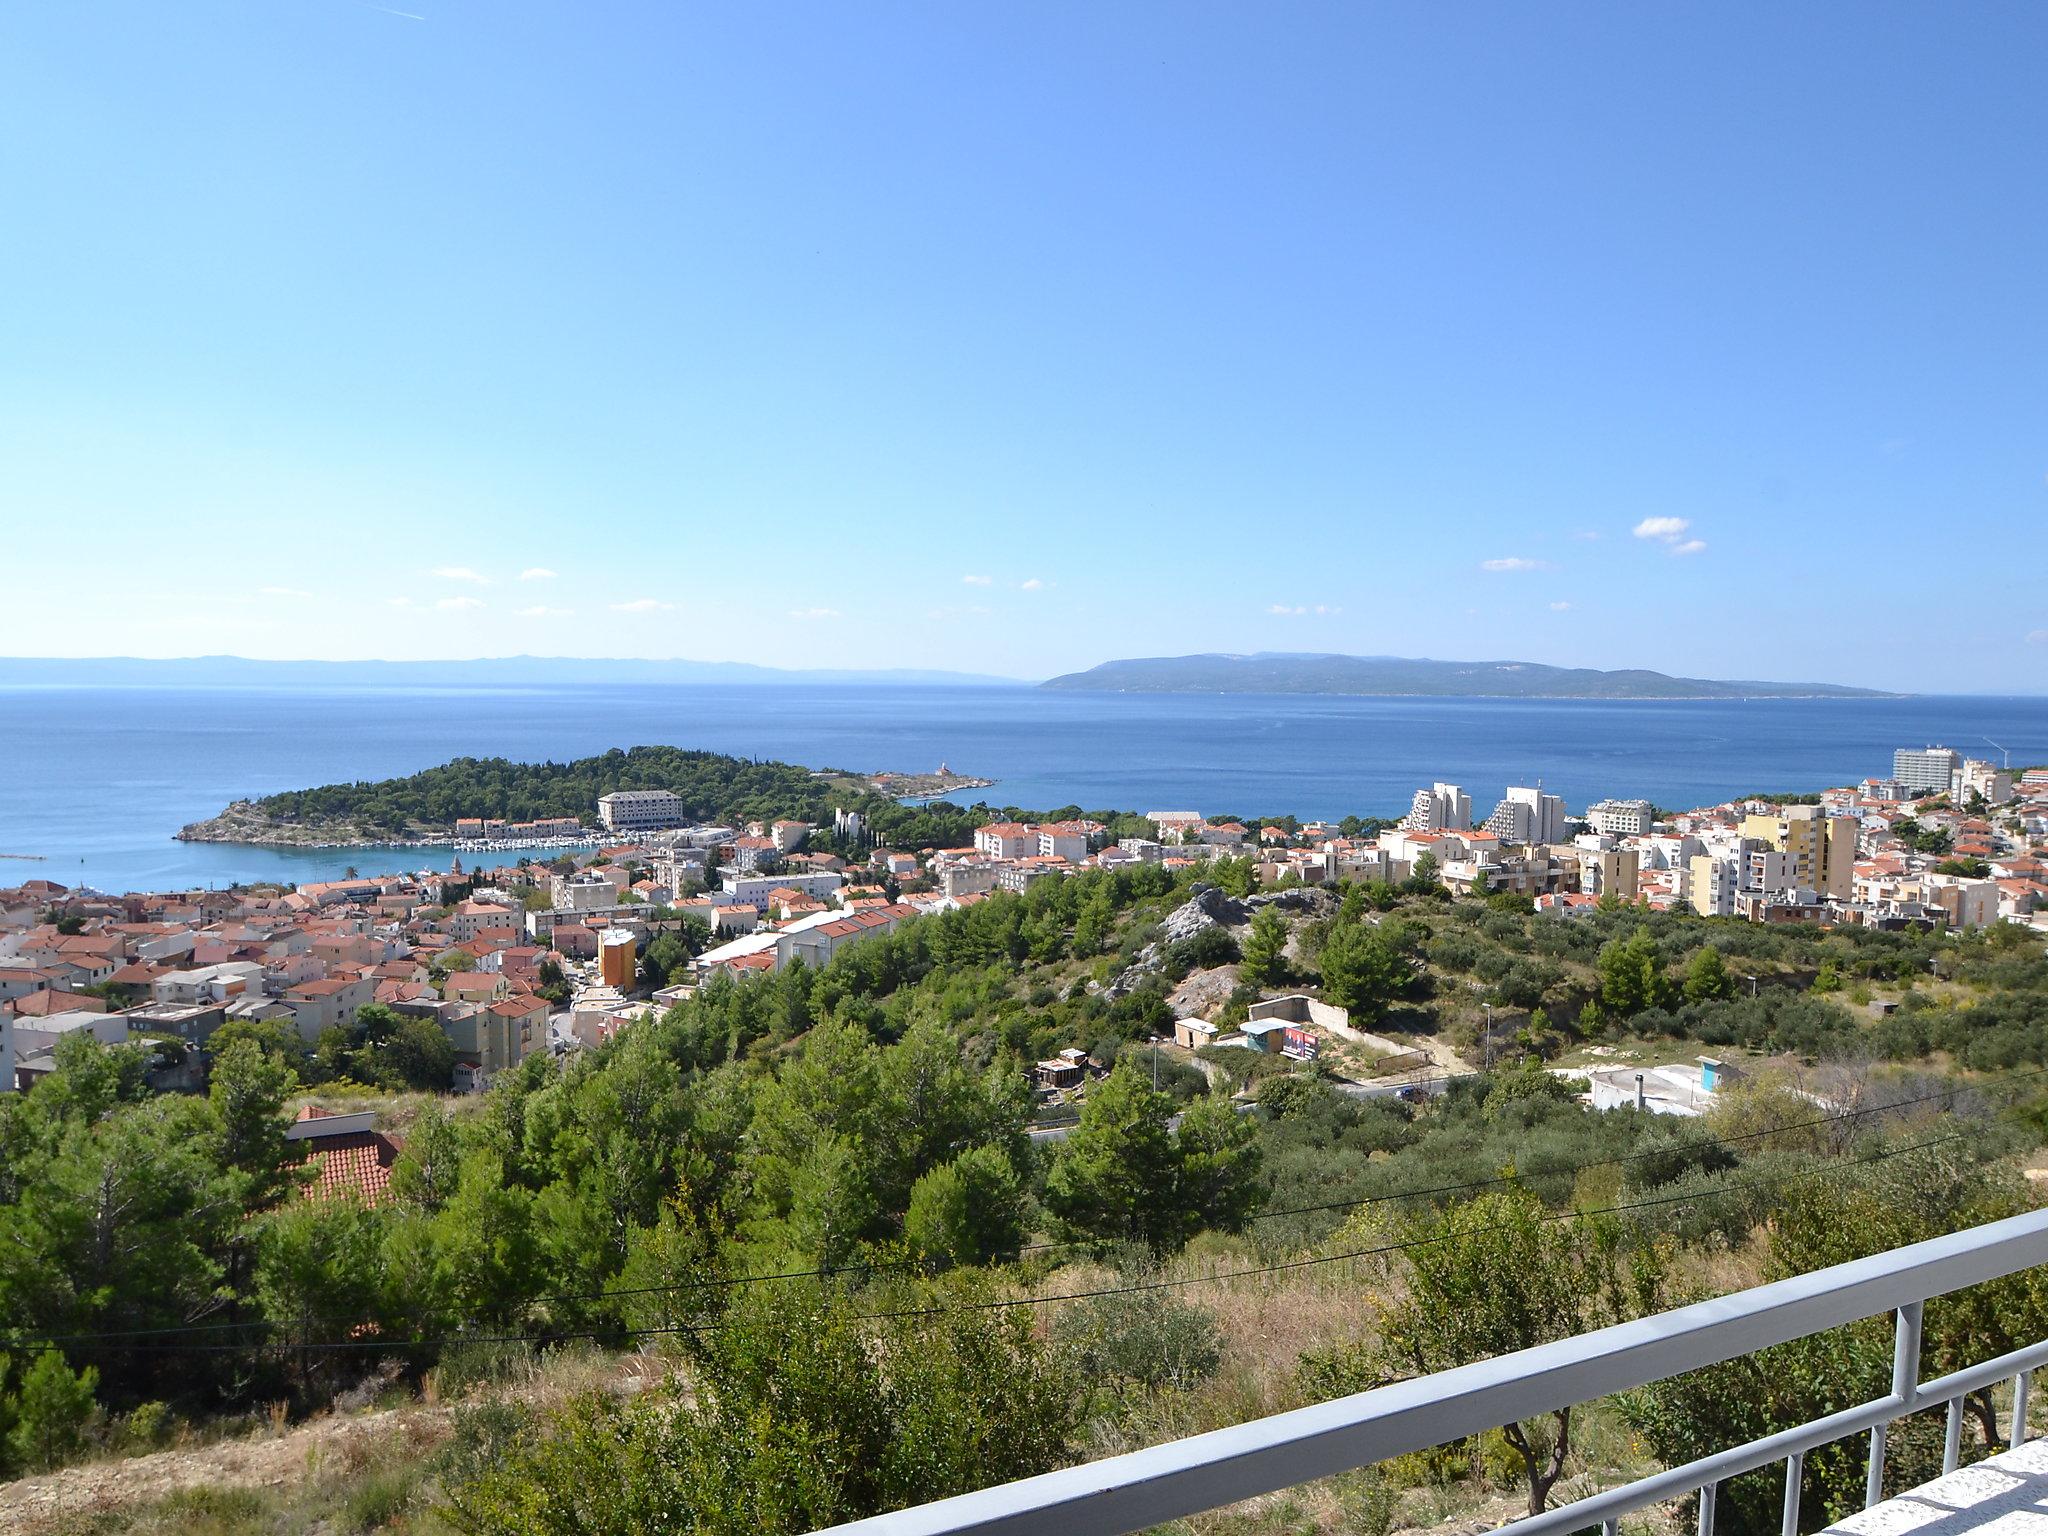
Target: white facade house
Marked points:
640	810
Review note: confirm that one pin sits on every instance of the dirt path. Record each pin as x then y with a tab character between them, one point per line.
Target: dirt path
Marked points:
35	1504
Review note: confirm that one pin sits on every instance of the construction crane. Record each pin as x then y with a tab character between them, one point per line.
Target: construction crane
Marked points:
2007	751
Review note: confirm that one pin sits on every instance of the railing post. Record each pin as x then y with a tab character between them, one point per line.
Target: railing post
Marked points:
1906	1354
1611	1527
2020	1384
1952	1441
1905	1388
1707	1508
1795	1476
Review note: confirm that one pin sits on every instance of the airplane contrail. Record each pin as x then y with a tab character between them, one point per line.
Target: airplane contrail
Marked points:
388	11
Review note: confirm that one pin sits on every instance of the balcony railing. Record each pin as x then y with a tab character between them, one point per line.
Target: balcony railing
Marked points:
1184	1477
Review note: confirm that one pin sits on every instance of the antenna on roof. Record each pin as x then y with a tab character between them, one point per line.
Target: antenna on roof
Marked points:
2006	750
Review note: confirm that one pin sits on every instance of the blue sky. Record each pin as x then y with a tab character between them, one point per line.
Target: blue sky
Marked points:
1018	337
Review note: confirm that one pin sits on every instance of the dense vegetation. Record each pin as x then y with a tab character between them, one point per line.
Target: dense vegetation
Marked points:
712	787
815	1192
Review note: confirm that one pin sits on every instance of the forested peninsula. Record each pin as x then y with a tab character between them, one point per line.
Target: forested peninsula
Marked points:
424	807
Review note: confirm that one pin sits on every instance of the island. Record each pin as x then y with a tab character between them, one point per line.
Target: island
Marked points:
558	800
1419	677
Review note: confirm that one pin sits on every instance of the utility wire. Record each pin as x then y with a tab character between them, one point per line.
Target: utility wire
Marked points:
723	1282
566	1336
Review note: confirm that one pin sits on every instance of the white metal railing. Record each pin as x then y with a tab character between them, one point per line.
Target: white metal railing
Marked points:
1183	1477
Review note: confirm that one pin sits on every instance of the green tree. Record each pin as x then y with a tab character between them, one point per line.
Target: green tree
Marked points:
248	1091
830	1203
429	1168
1115	1175
52	1412
666	956
1494	1275
275	1037
968	1211
1706	976
1631	976
1361	972
1263	962
798	1414
1217	1183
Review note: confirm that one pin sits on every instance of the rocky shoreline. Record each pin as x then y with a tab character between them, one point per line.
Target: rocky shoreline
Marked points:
243	822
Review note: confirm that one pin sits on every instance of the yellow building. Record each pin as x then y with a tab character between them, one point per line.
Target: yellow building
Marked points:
1822	847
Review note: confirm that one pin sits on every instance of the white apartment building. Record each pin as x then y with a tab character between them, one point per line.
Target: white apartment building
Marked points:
1621	818
1063	840
1174	826
1981	778
209	984
1006	840
1712	884
585	891
640	810
753	889
1769	871
1440	808
1528	816
1930	770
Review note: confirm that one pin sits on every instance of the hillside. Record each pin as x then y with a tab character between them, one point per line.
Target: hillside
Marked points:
1417	677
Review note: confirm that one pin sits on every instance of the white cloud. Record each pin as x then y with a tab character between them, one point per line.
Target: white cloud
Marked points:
462	573
1671	533
1587	535
283	592
2037	637
459	604
1300	610
642	605
1282	608
1514	563
1560	607
815	613
398	602
545	613
978	581
536	573
1032	585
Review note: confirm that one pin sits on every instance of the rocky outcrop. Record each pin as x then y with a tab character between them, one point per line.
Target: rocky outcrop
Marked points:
245	822
1206	907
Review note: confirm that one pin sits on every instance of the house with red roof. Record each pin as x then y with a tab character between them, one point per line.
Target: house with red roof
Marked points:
349	1158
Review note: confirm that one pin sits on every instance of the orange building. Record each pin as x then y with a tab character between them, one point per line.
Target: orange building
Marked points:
615	958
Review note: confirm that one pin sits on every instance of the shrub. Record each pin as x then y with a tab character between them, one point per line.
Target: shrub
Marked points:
1149	1339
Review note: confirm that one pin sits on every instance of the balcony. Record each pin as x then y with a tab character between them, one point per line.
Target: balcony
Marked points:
1184	1477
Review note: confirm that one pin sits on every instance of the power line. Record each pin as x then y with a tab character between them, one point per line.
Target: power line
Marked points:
887	1266
653	1330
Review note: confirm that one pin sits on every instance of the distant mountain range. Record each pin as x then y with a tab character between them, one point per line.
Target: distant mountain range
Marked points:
1417	677
488	672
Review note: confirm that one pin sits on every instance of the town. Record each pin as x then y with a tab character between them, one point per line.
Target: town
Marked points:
560	955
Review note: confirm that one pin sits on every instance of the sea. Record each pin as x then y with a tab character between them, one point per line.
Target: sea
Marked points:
95	781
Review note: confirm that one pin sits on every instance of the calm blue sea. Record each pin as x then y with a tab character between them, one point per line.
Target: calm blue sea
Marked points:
98	779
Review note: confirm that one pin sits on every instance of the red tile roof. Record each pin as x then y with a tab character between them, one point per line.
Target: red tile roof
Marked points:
357	1165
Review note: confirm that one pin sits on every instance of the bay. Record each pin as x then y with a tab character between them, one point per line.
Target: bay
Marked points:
96	780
